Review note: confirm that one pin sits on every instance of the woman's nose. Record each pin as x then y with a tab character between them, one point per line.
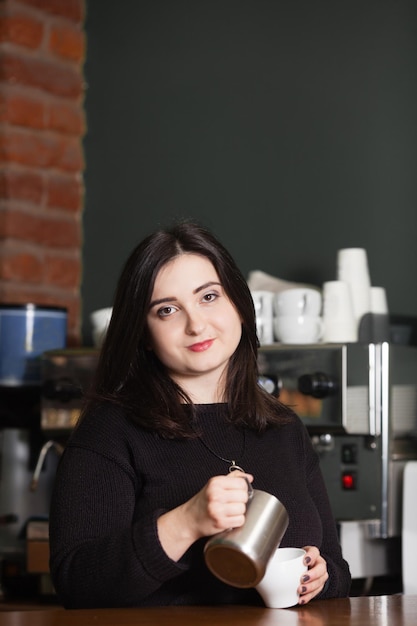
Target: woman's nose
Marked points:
195	323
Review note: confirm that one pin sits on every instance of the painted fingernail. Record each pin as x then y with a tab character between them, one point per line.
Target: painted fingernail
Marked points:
305	579
307	560
303	589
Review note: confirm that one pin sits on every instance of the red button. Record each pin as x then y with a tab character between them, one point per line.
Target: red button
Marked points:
348	480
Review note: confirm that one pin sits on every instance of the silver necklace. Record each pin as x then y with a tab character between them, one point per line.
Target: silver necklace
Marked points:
233	465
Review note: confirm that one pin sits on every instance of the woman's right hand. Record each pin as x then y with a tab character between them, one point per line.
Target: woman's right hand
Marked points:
220	505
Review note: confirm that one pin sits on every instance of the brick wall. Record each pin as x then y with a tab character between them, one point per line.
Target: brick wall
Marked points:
42	48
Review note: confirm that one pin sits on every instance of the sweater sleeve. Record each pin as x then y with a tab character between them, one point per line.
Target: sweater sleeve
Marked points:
103	552
338	584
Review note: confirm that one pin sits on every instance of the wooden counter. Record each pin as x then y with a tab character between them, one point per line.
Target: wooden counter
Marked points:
396	610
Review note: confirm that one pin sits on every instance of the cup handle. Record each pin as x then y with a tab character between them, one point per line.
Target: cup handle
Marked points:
321	328
250	489
237	468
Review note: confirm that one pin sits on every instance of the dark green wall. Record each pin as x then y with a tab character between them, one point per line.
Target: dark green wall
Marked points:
288	127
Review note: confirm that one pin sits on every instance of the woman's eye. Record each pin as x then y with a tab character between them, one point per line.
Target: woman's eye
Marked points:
209	297
166	310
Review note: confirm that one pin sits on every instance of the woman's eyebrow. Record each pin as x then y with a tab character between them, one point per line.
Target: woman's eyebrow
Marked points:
162	300
209	284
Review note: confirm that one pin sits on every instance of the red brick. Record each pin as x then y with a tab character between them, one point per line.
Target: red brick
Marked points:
67	42
20	110
3	225
54	77
21	30
20	266
65	192
72	9
71	155
21	185
67	117
15	224
44	230
41	150
62	272
61	233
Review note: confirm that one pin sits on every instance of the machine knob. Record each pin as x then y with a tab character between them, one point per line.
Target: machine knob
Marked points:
318	385
8	518
61	389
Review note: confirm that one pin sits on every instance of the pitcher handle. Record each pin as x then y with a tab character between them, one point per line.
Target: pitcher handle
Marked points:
237	468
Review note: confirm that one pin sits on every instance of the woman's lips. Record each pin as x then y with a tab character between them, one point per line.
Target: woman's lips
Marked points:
202	346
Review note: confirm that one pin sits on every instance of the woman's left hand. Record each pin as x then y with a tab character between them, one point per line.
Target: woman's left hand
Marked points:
313	581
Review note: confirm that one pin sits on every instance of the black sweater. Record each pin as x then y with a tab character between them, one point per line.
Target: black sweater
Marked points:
115	479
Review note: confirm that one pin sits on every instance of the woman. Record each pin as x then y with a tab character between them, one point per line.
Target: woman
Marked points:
144	479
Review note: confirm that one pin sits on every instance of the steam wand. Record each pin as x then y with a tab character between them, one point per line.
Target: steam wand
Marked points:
41	459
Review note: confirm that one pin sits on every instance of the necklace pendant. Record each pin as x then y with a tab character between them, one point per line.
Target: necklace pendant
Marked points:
234	467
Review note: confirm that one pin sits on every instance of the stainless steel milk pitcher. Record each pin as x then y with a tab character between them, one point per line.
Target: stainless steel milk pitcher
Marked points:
239	556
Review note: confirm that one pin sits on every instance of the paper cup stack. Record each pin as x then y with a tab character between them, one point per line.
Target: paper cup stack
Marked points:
352	268
351	298
340	324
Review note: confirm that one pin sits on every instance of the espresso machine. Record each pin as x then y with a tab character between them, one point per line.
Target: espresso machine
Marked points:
25	332
35	423
359	404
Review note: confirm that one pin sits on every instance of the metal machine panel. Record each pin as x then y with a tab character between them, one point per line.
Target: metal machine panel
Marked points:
359	404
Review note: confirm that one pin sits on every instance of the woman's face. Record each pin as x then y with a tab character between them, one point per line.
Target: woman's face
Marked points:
194	328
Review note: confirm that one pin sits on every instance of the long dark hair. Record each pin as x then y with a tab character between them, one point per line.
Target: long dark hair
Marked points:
130	375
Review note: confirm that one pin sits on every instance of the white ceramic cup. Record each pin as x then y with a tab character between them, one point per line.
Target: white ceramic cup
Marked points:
379	302
279	587
339	321
262	301
352	268
298	301
100	320
298	328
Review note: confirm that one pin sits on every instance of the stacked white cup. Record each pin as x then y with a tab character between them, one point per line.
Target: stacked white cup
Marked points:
353	309
297	315
262	301
374	326
379	303
340	325
352	268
